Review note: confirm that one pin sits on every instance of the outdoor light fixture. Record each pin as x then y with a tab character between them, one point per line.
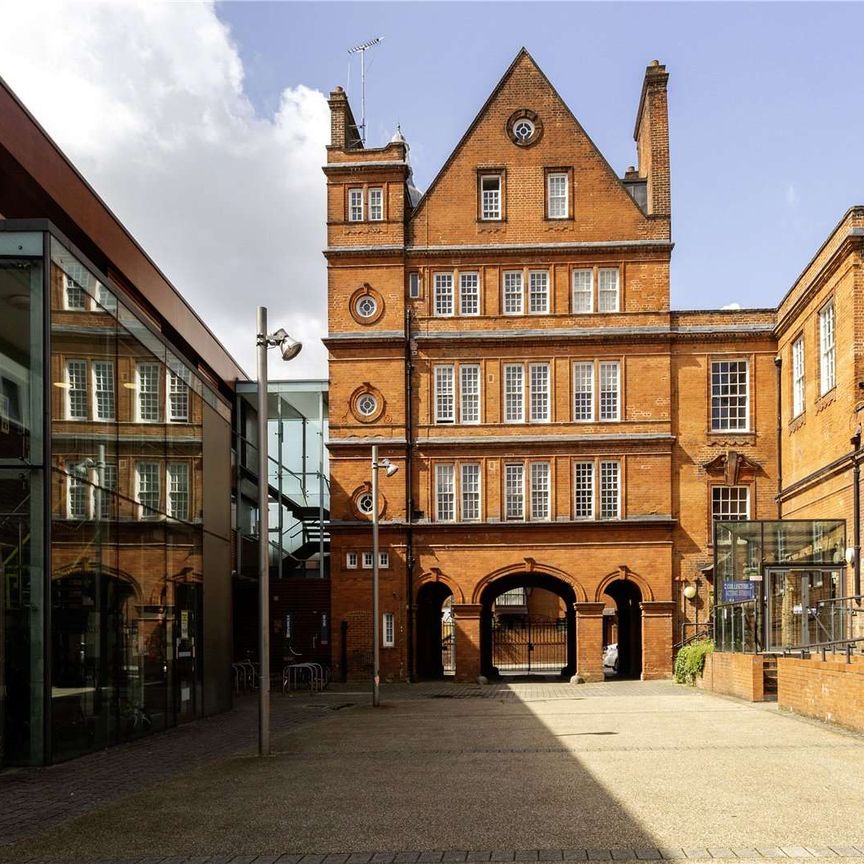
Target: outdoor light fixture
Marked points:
389	470
689	591
289	349
850	556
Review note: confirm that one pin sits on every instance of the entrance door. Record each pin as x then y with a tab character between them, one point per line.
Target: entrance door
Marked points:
529	645
187	647
797	612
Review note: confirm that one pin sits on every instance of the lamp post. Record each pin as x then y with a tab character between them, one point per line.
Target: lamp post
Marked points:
289	349
389	470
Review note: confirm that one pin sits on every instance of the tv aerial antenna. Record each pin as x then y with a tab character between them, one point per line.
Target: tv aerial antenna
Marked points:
361	50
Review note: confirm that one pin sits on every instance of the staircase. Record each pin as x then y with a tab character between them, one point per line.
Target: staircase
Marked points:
769	677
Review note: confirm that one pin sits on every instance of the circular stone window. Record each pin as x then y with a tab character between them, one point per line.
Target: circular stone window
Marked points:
367	405
524	127
367	306
523	130
364	503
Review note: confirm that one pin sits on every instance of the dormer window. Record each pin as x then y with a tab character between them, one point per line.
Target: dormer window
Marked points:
490	197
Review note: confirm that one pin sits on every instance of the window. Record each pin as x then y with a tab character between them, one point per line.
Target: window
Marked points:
383	560
540	507
609	391
76	279
108	491
583	392
513	292
366	306
365	503
445	401
178	399
827	371
368	560
105	298
444	294
729	396
178	490
469	293
389	630
103	390
557	196
76	390
583	291
730	503
78	480
514	491
470	491
469	393
445	494
351	560
583	490
490	196
514	393
797	376
355	205
413	285
376	204
539	395
148	392
147	476
610	490
538	291
367	405
607	290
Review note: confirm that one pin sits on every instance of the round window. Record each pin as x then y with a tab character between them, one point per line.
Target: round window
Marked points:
523	130
367	404
366	306
364	503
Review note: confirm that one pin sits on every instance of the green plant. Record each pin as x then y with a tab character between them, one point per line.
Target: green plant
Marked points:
691	661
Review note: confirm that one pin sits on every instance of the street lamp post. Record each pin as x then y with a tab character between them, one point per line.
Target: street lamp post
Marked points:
289	349
389	470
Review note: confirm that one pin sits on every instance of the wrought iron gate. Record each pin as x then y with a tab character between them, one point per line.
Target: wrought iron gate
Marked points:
529	645
448	646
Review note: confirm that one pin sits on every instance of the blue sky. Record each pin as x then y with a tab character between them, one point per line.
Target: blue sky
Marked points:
765	102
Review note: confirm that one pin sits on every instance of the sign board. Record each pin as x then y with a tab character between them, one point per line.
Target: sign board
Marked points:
735	592
184	623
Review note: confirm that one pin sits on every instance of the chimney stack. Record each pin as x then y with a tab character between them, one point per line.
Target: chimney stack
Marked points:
652	139
343	127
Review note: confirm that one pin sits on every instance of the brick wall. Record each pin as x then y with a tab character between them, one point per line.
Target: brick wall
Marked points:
832	691
738	675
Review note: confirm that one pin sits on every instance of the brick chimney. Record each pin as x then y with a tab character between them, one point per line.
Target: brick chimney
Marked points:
343	127
652	139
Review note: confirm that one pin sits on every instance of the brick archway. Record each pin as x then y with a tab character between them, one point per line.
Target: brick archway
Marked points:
529	566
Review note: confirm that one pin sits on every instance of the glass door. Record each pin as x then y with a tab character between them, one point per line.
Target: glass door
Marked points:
799	608
187	644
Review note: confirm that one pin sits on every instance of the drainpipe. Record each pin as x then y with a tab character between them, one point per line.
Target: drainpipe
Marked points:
409	496
856	506
778	365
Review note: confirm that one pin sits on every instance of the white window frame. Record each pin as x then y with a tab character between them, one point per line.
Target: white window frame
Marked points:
827	348
367	560
383	560
445	492
178	470
584	492
388	630
139	392
604	292
182	389
75	283
541	487
469	289
80	365
375	209
470	412
355	204
444	394
602	512
94	376
144	511
723	512
559	197
491	199
542	279
718	396
798	381
105	298
352	559
578	275
466	488
578	367
514	398
443	301
109	488
78	477
514	494
539	398
603	389
414	285
513	296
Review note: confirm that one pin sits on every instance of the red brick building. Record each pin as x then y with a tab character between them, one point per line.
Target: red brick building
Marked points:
507	340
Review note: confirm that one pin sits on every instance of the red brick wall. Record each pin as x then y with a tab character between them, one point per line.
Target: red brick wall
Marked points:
832	691
738	675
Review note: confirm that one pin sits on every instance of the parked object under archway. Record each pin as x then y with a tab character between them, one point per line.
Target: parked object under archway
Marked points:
528	627
627	626
436	635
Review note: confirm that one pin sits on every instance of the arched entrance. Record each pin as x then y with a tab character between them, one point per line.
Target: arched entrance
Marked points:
626	627
528	627
435	631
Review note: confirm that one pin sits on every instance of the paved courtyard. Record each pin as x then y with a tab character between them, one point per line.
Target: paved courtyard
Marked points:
450	773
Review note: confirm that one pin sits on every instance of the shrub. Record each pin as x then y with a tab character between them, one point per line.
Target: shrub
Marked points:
691	661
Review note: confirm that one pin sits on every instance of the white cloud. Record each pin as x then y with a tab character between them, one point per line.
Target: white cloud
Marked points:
731	307
147	100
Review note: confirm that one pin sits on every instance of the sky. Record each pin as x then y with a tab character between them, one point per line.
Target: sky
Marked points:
203	126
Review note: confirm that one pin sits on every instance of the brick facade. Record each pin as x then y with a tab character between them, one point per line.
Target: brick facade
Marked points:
437	295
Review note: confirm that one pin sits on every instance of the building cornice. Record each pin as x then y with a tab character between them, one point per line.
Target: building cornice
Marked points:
550	438
663	520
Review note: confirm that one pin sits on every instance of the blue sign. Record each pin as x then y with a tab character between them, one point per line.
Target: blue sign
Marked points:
735	592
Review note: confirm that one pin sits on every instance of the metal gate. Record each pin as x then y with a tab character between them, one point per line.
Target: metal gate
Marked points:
448	646
529	645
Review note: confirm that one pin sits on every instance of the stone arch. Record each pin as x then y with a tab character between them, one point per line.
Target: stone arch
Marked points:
435	575
529	565
623	575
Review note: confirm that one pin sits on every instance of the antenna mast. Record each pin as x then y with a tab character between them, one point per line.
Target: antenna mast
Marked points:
361	50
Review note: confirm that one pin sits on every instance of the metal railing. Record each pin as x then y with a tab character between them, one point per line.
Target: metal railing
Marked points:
736	626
